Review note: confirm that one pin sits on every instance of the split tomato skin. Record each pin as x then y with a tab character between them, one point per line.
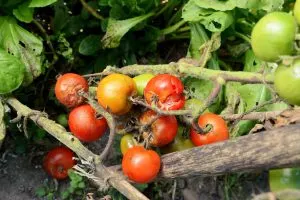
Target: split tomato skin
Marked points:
166	90
273	36
219	131
84	124
141	165
67	87
163	130
58	161
113	93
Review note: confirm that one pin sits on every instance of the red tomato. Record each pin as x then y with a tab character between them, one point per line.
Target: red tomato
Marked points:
219	131
163	130
67	87
58	161
166	90
85	125
141	165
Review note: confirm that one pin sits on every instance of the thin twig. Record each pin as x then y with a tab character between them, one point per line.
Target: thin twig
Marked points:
158	110
91	10
261	116
110	121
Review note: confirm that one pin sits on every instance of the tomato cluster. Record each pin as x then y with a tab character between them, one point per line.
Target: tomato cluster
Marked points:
116	93
274	36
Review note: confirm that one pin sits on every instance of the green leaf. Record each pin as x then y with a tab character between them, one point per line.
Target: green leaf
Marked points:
201	89
22	44
41	3
90	45
65	195
24	13
81	185
141	187
116	29
198	38
41	192
218	21
11	72
252	64
267	5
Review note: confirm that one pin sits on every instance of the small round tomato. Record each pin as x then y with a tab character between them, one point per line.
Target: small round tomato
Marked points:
127	142
58	161
166	91
113	93
297	11
85	125
141	165
67	87
273	36
218	132
163	130
141	82
62	119
287	82
180	143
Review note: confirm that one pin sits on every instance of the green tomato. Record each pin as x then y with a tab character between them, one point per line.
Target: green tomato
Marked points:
273	36
141	82
180	143
127	141
280	179
62	119
195	105
297	11
287	82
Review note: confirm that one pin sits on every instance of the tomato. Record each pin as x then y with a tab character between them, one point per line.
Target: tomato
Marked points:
166	90
288	178
127	142
62	119
85	125
163	130
273	36
113	92
141	165
297	11
195	105
180	143
141	82
67	87
287	82
218	132
58	161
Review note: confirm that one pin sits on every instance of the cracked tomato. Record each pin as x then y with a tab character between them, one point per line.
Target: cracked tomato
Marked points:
162	131
67	87
85	125
166	91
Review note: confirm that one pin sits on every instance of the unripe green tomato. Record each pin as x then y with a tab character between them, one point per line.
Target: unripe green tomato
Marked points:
195	105
287	82
180	143
297	11
273	36
288	178
62	119
141	82
127	142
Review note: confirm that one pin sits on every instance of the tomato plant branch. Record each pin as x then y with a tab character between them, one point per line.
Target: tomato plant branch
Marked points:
173	28
158	110
261	116
75	145
91	10
110	121
55	130
282	194
187	67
